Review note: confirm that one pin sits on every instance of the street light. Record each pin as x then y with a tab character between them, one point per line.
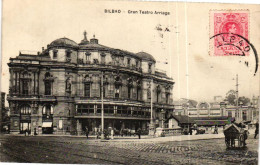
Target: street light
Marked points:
102	108
151	126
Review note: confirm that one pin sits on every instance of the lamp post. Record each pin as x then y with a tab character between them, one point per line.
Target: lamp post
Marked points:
151	126
102	108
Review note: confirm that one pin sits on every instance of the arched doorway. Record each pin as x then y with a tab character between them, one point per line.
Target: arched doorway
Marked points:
47	119
25	118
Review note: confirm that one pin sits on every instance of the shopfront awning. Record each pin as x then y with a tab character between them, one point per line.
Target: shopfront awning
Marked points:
47	124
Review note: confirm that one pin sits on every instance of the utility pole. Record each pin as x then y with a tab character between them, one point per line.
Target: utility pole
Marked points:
237	108
102	108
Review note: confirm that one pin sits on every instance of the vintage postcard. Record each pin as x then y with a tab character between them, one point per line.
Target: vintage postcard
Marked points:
129	82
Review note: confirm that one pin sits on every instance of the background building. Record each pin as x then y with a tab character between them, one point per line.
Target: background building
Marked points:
2	109
218	112
59	90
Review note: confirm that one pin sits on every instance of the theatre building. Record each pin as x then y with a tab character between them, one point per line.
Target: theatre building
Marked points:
59	90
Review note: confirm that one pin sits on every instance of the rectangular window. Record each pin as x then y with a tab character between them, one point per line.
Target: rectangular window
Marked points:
128	61
103	59
25	86
149	68
99	108
87	90
47	88
55	54
148	94
167	98
129	93
68	54
229	113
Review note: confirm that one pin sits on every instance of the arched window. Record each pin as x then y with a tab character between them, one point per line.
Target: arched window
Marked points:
47	110
158	92
48	83
148	94
118	83
25	80
130	86
87	89
129	92
116	91
87	85
25	110
167	95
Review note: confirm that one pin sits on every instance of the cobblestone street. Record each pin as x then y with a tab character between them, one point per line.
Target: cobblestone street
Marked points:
80	150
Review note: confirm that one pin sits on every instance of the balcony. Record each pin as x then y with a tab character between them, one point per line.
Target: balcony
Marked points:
97	64
22	97
110	115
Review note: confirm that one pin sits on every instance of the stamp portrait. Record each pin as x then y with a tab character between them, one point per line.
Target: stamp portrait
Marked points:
231	32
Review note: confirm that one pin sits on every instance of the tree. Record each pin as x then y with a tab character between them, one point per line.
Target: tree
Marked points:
244	100
231	97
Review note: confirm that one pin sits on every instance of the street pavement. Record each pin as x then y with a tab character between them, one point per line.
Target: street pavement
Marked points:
126	150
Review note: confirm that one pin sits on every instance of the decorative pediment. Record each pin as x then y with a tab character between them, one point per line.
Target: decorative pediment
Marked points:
118	81
103	54
87	79
87	53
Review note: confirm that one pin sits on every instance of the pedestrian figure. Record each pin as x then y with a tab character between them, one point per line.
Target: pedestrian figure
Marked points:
215	130
190	131
195	129
95	130
35	132
25	132
139	133
112	133
87	132
256	129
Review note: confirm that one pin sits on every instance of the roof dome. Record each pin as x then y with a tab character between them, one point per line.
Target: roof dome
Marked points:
64	42
145	56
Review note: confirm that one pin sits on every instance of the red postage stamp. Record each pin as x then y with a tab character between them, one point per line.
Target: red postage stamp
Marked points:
229	33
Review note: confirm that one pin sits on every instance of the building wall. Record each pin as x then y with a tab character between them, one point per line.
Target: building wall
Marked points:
68	78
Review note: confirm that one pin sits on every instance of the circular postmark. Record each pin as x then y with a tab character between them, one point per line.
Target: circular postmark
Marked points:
231	44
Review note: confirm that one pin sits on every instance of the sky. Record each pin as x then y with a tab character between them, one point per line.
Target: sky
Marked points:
179	41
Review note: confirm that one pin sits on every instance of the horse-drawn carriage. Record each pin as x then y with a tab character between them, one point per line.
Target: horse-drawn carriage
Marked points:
235	136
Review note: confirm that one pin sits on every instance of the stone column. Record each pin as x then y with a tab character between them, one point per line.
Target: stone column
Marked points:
11	80
78	85
18	82
39	122
37	83
79	129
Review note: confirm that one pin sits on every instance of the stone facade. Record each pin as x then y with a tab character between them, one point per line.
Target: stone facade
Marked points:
59	90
